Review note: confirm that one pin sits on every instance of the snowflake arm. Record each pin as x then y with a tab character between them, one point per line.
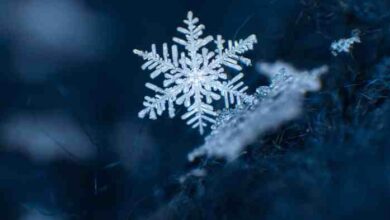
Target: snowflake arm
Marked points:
230	56
199	114
234	91
157	63
193	34
157	105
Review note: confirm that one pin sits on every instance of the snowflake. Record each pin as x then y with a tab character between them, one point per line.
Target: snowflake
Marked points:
197	78
345	45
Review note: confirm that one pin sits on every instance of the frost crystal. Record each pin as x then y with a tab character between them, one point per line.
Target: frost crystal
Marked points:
197	78
272	106
345	45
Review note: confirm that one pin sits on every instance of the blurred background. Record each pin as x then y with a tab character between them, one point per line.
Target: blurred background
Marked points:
71	145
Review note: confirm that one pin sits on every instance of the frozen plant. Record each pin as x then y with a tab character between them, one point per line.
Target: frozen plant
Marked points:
196	78
345	44
272	106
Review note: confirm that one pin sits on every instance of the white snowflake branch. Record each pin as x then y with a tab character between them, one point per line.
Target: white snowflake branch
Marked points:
157	63
230	56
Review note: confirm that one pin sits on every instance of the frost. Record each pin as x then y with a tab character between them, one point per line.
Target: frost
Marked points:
345	45
193	173
196	78
272	106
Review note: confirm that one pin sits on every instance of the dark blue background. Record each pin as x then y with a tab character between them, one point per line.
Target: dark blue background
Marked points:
73	59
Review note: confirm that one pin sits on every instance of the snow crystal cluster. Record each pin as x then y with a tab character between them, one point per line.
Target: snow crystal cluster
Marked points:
196	78
271	106
345	45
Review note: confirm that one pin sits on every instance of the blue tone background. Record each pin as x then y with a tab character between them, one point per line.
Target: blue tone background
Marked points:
72	147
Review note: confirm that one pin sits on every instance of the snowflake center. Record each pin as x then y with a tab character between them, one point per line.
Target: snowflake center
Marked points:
197	78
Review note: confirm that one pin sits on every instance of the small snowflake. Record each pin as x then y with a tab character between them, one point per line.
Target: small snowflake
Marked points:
344	45
197	78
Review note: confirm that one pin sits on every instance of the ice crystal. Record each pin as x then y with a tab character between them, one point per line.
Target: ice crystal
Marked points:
197	78
345	45
272	106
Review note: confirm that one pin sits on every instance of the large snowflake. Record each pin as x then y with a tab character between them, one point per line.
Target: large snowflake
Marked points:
197	78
